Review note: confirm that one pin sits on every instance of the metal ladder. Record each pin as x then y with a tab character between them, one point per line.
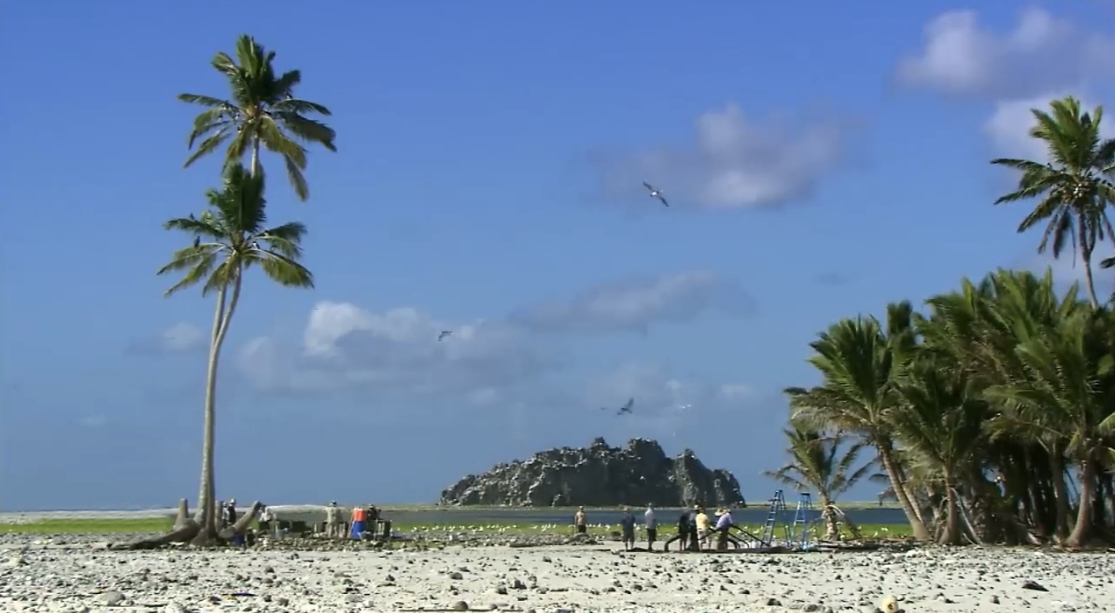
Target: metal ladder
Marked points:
801	518
777	508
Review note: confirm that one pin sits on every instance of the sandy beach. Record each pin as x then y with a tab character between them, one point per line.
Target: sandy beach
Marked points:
77	574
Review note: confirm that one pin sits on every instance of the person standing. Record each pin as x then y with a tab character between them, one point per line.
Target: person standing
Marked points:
704	524
265	519
651	524
627	526
331	520
684	523
723	524
359	521
580	521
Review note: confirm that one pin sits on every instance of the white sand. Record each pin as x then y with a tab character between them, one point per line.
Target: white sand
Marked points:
48	577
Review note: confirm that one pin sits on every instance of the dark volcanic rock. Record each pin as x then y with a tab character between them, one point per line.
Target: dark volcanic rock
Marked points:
599	476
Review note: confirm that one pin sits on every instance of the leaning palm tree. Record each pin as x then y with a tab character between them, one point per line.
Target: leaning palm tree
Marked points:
261	112
230	237
1072	187
860	367
823	462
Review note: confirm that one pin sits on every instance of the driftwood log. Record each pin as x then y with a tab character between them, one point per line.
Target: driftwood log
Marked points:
187	529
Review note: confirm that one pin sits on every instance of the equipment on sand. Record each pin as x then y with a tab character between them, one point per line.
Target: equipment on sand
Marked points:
796	532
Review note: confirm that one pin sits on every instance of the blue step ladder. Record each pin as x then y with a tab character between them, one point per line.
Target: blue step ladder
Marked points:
777	510
802	515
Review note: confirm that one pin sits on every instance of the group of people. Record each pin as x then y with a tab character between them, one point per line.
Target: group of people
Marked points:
695	528
364	520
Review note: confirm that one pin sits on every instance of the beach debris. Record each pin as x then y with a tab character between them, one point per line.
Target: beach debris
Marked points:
888	604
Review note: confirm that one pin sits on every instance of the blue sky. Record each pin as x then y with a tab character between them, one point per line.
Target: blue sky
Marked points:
820	162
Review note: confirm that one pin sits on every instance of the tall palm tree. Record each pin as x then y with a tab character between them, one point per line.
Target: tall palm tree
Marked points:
262	111
230	237
824	463
860	367
1073	189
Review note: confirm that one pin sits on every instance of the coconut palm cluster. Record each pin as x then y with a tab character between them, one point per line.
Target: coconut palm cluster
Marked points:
990	409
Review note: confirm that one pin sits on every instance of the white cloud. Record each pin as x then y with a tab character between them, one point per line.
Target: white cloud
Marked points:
1041	58
395	352
182	337
734	162
666	406
1041	53
636	303
1010	124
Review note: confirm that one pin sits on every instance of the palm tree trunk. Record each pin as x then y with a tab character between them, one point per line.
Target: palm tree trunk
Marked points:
951	535
1083	527
921	533
208	482
205	491
1086	251
1060	493
832	530
254	168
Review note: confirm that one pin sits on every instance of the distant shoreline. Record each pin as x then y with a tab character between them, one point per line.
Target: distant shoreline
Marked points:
10	517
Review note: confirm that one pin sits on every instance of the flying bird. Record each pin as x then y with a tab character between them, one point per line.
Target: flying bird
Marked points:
444	333
655	193
627	407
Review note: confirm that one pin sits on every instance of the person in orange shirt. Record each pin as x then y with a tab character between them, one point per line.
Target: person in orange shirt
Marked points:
359	521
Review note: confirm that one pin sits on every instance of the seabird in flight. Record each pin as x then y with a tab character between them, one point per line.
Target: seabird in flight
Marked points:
444	333
627	407
655	193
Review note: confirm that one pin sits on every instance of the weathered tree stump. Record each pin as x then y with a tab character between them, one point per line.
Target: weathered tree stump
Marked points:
188	529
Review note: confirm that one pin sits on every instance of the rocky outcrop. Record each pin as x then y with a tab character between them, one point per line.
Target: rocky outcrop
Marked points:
599	475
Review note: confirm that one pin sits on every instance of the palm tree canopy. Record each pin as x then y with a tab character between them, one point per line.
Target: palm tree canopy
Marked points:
231	235
1072	188
821	462
262	110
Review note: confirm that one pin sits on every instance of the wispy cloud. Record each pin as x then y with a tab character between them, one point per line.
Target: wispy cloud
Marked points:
734	162
637	303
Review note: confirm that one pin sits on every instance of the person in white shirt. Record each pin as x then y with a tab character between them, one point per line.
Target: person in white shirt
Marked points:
652	527
332	521
265	519
723	524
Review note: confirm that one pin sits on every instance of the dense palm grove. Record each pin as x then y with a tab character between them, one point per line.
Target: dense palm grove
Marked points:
991	412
